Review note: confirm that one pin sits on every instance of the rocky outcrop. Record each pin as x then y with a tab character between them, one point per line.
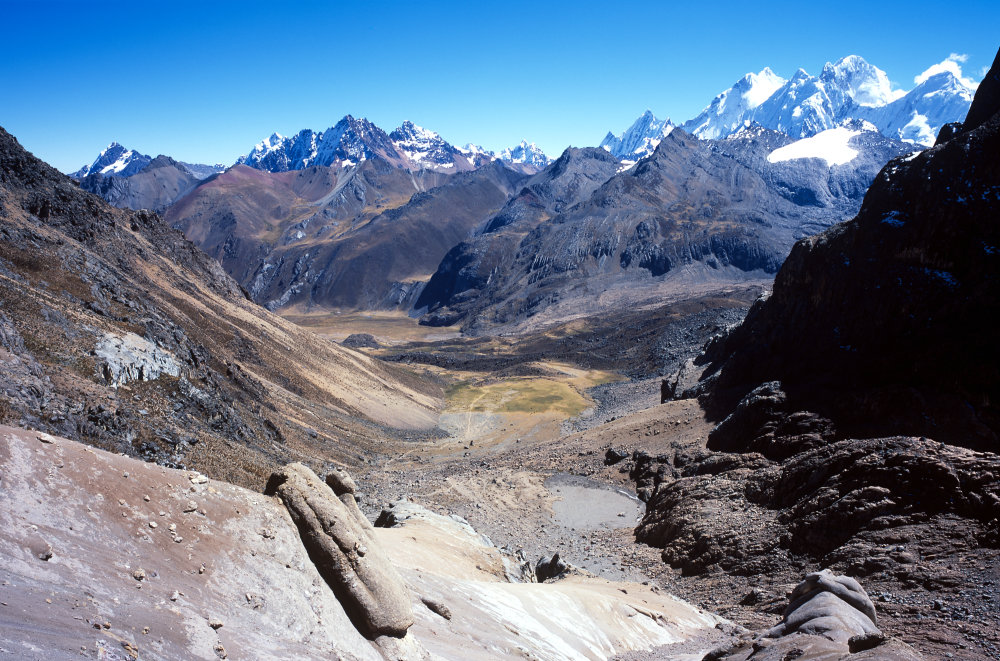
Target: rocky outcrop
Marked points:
795	493
828	617
550	567
342	545
132	358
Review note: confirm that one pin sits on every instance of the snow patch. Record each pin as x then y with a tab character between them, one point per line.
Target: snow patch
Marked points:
830	145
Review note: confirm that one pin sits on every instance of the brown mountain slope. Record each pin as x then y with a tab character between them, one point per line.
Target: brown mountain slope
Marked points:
359	237
117	331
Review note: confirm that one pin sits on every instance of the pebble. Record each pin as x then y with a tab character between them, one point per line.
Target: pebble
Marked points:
139	574
152	524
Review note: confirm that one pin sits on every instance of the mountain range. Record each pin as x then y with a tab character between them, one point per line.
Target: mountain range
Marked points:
410	147
849	421
355	217
584	236
804	105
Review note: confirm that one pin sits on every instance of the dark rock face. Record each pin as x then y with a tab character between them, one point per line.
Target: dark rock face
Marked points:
550	567
342	545
857	405
712	210
987	99
886	323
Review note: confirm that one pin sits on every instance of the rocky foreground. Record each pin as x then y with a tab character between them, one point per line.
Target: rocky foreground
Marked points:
142	561
106	552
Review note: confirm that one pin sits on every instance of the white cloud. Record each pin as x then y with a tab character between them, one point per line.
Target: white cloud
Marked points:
953	64
982	72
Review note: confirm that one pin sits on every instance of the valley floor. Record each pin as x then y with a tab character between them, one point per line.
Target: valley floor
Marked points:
528	422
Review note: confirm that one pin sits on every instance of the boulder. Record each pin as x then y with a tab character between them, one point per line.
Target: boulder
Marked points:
550	567
828	617
834	607
342	545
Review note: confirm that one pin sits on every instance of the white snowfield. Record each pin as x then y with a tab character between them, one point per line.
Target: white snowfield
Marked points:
831	145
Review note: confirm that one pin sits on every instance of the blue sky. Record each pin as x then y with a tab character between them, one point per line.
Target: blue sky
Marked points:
204	81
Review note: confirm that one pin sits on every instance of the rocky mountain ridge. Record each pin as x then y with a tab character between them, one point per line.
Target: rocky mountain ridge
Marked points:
364	237
694	210
352	140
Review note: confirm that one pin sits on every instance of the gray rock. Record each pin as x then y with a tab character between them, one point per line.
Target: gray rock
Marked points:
132	358
341	544
835	607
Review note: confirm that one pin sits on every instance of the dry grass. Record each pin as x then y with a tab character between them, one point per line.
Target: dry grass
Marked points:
389	327
524	395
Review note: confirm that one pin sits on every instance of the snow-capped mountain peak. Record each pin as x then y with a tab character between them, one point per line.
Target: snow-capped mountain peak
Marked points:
426	149
525	153
758	87
640	139
866	84
410	131
350	139
728	111
850	88
475	150
115	161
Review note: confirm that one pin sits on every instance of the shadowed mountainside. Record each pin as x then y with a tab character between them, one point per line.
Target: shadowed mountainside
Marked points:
155	187
693	213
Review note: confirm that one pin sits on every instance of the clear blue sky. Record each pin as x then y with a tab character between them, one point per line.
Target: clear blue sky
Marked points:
204	81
